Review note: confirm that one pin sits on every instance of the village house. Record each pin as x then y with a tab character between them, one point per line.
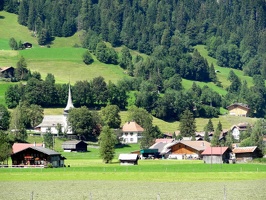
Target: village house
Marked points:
186	149
74	145
131	132
7	72
34	155
237	129
27	45
216	155
246	154
128	159
238	109
57	123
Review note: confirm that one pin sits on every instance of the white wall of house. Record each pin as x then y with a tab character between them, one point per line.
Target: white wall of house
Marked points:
236	133
130	137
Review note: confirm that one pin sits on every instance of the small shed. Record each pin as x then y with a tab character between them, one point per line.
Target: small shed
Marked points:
128	159
246	154
7	72
75	145
216	155
27	45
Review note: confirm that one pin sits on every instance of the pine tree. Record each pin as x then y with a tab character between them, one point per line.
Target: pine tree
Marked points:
215	138
107	140
187	124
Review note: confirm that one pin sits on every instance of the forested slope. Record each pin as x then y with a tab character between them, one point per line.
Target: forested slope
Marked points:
165	30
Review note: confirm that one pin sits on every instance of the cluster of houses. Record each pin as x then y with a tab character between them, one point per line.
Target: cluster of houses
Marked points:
166	148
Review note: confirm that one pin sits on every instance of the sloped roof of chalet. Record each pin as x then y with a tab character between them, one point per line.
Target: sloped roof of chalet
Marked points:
41	149
214	151
2	69
52	121
21	146
132	127
249	149
242	105
73	142
197	145
128	157
241	126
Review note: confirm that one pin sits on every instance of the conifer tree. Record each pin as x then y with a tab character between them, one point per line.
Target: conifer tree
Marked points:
187	124
107	140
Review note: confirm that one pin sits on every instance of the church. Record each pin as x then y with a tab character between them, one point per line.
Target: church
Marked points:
57	123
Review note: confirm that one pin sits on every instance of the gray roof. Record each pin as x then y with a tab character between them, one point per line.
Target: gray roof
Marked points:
45	150
52	121
128	157
73	142
41	149
160	146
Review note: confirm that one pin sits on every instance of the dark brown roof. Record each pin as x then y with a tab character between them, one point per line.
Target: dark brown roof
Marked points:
242	105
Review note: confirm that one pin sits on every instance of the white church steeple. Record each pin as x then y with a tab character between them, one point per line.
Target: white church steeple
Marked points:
69	101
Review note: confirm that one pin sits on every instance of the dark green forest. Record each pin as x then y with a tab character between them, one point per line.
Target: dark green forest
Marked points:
234	32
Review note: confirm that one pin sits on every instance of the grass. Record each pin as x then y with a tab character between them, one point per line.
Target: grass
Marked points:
223	71
3	88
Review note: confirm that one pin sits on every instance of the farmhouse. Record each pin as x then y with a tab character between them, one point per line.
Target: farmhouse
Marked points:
238	109
216	155
246	154
128	159
131	132
75	145
57	123
33	155
7	72
187	149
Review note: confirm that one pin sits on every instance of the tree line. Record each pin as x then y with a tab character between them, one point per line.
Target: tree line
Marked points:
234	31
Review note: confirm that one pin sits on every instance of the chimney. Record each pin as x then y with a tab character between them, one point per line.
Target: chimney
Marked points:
203	144
43	145
34	144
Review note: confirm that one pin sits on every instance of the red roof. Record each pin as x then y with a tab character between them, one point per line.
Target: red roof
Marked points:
21	146
132	127
214	151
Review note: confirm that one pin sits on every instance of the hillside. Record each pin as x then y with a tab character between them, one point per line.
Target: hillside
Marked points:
64	61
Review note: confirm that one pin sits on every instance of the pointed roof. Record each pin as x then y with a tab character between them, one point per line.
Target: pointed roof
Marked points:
214	151
69	101
21	146
132	127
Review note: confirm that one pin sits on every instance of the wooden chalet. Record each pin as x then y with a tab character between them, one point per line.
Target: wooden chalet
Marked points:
238	109
187	149
128	159
246	154
75	145
216	155
7	72
35	156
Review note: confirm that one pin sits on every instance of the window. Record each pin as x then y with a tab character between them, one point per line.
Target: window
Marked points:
131	133
131	139
126	134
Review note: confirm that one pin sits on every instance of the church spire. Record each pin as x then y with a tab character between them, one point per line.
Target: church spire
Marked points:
69	101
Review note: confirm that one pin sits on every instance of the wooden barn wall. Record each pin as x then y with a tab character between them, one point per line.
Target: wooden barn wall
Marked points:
183	149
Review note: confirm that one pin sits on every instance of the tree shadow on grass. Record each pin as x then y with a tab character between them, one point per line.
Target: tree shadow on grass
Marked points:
2	17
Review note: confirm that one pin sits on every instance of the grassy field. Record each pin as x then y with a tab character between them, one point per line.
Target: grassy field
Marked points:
151	179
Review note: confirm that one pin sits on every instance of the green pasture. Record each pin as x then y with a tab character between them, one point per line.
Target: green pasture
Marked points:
3	88
223	71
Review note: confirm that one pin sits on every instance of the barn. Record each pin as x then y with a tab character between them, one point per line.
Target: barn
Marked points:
75	145
216	155
128	159
246	154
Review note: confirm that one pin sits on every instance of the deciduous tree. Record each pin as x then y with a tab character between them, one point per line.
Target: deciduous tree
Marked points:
107	141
